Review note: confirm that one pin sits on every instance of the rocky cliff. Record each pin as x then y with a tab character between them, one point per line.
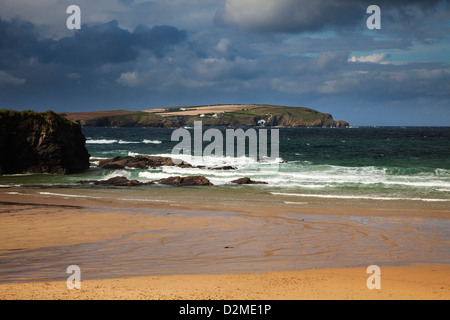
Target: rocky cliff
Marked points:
33	142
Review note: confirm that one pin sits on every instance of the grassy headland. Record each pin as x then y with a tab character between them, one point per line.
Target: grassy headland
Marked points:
217	115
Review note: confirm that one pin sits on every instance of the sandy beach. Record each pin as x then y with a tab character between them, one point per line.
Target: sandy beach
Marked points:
157	251
407	282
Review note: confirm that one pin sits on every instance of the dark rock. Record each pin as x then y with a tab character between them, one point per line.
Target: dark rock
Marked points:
145	162
116	181
32	142
185	181
186	165
172	181
223	168
139	162
247	181
120	182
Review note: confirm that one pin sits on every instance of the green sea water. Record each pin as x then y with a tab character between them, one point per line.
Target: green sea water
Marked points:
385	163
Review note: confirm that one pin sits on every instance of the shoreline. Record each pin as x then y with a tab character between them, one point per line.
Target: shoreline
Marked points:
181	198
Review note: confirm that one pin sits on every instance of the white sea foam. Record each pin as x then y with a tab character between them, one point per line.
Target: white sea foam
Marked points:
133	154
300	174
293	202
150	176
152	141
111	141
101	141
218	161
116	173
68	195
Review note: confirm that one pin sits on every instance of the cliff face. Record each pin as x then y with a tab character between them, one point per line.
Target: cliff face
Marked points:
131	120
326	120
33	142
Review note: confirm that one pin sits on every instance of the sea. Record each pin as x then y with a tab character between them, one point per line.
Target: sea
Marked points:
251	228
355	164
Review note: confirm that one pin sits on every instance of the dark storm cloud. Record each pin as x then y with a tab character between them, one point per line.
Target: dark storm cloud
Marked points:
19	41
97	45
158	38
305	15
91	46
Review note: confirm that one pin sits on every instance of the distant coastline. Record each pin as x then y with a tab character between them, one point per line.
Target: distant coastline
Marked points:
238	115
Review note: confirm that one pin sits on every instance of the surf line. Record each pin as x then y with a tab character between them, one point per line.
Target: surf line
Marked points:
355	197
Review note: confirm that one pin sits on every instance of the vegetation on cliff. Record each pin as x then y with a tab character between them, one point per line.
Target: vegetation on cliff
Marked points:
226	115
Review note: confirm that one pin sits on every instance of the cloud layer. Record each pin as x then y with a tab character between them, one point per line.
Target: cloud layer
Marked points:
140	54
91	46
304	15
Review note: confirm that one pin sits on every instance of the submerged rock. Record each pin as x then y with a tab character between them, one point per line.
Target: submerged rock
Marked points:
172	181
247	181
32	142
116	181
146	162
223	168
138	162
185	181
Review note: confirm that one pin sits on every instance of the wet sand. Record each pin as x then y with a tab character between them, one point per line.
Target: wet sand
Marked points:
158	251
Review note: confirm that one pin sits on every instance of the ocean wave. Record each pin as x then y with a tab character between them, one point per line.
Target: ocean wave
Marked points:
349	197
396	171
118	173
112	141
152	175
305	177
101	141
218	161
301	174
334	176
152	141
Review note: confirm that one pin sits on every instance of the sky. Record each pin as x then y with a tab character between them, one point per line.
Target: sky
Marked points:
143	54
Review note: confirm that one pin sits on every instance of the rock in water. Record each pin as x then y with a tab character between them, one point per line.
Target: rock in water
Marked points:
185	181
32	142
115	181
247	180
171	181
139	162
